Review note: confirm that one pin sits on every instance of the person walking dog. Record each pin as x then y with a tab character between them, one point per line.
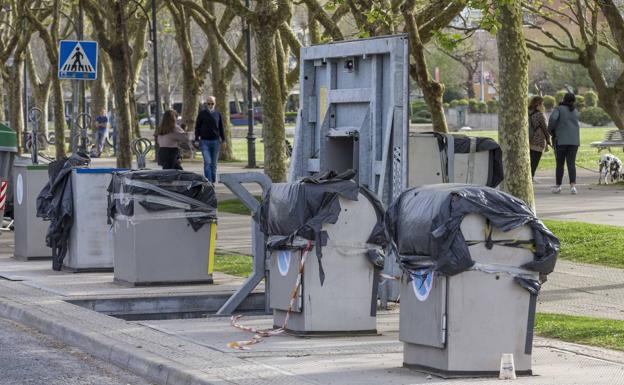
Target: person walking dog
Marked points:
565	130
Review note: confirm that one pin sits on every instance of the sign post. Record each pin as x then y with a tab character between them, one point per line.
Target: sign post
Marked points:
78	61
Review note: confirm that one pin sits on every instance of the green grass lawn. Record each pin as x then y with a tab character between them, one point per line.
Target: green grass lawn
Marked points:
600	332
238	265
587	156
235	206
589	243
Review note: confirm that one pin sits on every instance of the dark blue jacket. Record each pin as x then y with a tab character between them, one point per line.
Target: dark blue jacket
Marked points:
209	126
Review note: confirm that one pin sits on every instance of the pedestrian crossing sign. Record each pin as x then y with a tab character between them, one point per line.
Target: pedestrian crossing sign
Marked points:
78	59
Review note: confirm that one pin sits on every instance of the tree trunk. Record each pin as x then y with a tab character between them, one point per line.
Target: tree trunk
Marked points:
119	54
191	93
272	106
2	101
122	102
513	120
470	85
16	106
41	95
432	90
99	95
222	94
59	117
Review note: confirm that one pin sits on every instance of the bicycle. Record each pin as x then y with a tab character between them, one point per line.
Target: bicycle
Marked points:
42	140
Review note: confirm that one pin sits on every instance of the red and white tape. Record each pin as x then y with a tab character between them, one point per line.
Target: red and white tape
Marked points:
260	334
4	187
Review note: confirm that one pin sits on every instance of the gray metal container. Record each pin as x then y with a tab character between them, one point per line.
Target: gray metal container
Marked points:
91	237
469	320
345	302
425	163
155	248
30	231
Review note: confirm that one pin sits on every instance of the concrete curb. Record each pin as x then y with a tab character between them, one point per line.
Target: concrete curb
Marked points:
145	364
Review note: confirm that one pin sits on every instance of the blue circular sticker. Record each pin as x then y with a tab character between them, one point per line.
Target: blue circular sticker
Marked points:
283	262
422	283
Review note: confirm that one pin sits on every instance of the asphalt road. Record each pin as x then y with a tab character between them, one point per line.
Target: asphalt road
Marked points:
29	358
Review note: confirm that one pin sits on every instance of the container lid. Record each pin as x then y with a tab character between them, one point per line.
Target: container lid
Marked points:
8	139
98	170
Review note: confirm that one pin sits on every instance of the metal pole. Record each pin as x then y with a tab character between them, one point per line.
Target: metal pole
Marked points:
25	100
251	139
83	93
155	48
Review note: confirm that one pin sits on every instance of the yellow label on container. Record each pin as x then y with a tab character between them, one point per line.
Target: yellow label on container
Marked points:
211	250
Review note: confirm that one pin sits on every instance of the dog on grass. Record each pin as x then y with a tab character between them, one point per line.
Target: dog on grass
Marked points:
610	169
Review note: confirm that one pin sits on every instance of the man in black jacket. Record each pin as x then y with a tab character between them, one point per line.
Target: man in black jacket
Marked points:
209	133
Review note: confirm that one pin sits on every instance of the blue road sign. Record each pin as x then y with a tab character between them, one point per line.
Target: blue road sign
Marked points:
78	60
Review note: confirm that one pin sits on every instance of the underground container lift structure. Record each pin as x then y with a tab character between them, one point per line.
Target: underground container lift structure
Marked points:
164	225
324	239
355	115
473	260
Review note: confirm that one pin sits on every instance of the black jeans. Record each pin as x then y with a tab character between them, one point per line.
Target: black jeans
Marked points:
169	158
535	158
565	154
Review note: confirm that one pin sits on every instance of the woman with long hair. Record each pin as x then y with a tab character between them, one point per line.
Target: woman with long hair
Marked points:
565	130
170	136
539	138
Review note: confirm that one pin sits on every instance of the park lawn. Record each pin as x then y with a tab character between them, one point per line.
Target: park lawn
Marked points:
239	148
604	333
589	243
587	156
233	264
235	206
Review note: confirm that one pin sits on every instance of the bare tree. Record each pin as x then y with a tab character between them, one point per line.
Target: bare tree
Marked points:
40	84
513	134
121	33
51	36
574	33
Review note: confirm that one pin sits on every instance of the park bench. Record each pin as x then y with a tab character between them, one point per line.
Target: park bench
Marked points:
613	138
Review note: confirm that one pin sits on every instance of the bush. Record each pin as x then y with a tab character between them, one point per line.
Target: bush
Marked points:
423	114
446	106
580	102
594	116
462	102
290	116
420	120
591	99
452	93
418	106
473	105
492	106
454	103
482	108
549	102
559	95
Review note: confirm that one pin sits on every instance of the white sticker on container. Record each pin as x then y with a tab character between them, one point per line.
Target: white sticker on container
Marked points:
19	189
422	283
283	261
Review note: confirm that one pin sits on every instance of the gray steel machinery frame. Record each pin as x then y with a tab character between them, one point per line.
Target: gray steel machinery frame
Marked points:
258	242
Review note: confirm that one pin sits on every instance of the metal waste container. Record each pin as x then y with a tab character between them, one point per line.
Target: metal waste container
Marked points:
8	149
164	227
443	158
91	237
331	225
472	264
30	231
